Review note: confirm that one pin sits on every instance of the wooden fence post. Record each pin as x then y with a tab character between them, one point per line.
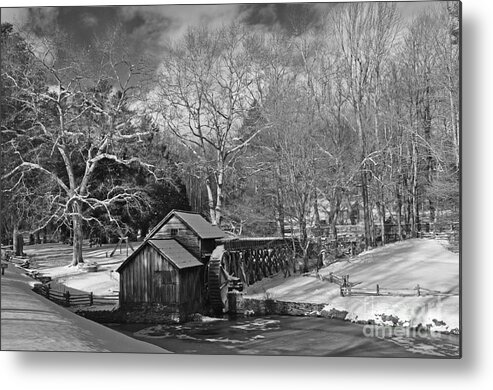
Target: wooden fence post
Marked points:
67	298
91	299
378	289
418	292
48	291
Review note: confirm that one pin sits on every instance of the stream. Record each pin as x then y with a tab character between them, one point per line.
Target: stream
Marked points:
293	336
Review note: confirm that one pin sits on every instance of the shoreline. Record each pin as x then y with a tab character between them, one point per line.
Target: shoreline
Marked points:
398	264
263	307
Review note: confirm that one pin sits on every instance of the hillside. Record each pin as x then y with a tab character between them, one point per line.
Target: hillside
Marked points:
401	265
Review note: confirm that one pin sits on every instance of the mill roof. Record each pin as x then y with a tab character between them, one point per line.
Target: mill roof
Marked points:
170	249
198	224
176	253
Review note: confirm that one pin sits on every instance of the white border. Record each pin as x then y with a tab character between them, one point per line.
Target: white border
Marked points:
474	371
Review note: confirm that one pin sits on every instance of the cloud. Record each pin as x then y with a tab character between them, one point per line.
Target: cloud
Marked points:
179	17
89	20
148	28
289	17
42	20
15	16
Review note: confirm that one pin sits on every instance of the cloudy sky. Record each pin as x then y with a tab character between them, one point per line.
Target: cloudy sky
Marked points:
149	26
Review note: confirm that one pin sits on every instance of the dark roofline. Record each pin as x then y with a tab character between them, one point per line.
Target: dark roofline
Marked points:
153	231
142	245
170	259
130	258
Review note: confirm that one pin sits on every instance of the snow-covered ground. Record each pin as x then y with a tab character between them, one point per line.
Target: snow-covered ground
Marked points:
54	260
400	265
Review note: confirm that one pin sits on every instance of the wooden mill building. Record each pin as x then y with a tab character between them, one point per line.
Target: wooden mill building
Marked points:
165	275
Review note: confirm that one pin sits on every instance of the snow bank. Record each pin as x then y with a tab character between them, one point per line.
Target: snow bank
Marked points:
434	313
400	265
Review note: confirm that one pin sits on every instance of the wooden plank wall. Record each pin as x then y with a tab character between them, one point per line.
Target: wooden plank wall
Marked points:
191	286
185	236
149	278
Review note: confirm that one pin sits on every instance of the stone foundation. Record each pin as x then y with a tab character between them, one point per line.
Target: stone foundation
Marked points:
240	305
103	316
136	313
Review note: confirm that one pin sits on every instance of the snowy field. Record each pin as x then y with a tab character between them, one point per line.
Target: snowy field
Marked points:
54	260
401	265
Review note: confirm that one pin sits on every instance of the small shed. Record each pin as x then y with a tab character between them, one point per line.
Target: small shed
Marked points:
163	276
191	230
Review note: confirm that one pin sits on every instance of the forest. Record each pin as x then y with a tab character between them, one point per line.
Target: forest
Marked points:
352	120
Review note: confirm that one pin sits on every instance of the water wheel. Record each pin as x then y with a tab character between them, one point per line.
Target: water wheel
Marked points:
219	280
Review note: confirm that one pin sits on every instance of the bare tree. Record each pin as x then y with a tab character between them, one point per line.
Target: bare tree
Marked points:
207	85
365	34
80	118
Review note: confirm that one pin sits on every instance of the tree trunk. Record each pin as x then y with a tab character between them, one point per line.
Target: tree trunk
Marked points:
280	203
78	235
334	212
429	156
364	179
432	215
219	196
381	213
454	121
280	213
399	211
19	239
315	211
414	190
15	232
382	223
210	200
366	214
306	246
18	243
302	225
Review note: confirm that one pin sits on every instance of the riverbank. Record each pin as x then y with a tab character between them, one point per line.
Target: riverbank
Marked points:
401	265
394	266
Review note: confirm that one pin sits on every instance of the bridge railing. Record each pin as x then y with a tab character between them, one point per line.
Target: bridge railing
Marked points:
253	258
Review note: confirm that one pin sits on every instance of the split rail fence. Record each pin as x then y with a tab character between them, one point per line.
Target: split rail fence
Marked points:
348	288
66	298
60	294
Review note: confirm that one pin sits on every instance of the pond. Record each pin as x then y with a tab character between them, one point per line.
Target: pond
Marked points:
288	336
